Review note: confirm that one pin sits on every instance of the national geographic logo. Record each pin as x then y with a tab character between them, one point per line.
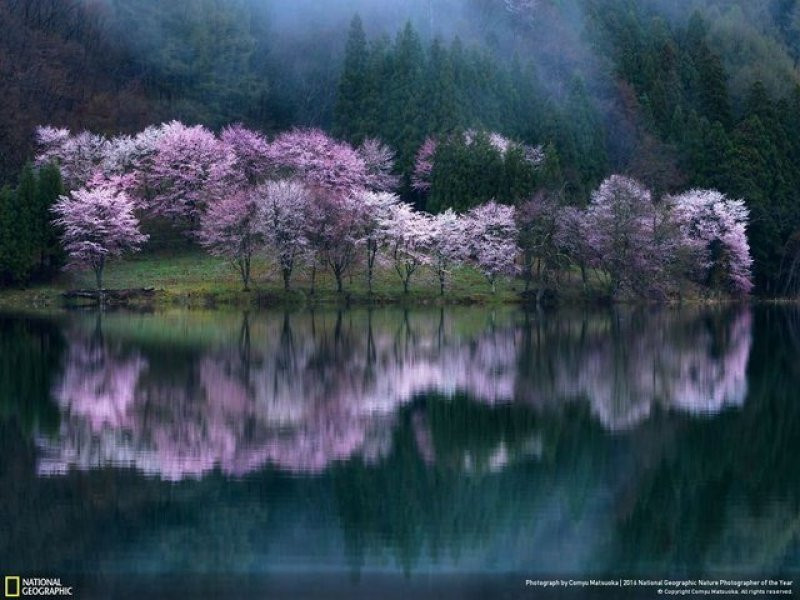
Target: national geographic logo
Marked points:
12	587
26	587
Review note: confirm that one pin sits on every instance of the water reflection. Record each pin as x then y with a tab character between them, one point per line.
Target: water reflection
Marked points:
302	391
629	442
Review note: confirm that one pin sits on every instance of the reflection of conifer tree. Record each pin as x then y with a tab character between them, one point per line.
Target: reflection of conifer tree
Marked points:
31	360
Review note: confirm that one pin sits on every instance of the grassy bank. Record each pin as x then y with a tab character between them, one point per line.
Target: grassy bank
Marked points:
194	279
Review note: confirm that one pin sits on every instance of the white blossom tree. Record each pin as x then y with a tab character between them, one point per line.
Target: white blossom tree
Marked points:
447	247
374	208
283	221
714	226
491	234
410	236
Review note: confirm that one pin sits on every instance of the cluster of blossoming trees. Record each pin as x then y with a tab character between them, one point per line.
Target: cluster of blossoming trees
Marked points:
303	198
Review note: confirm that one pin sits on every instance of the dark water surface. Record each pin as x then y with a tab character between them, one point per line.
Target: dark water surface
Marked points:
361	453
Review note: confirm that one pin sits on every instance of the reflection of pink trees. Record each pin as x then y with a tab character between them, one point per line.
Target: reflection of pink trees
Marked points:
99	385
627	365
313	389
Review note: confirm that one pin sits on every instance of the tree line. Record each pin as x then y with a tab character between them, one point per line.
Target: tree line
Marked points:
304	198
680	100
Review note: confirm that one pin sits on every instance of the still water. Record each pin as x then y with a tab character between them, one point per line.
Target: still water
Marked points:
368	448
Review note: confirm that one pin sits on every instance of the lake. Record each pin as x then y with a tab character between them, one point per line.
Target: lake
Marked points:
361	452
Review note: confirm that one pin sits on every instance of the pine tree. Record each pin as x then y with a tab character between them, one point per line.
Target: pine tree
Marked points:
349	112
48	189
21	239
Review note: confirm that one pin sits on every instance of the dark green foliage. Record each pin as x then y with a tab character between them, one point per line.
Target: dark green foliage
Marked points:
46	236
29	246
402	93
466	174
352	107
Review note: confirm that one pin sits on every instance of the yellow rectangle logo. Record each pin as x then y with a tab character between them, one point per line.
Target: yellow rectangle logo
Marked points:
12	587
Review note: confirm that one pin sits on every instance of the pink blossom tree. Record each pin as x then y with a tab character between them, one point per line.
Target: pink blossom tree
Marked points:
317	159
538	222
332	228
423	165
410	236
283	221
620	221
97	226
250	150
379	160
492	240
714	227
192	170
572	239
231	228
447	247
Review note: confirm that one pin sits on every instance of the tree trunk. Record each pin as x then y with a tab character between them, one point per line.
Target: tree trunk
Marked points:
313	278
339	286
371	252
244	269
441	285
287	273
98	273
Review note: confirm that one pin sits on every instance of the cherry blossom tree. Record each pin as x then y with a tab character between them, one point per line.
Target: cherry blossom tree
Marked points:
423	165
538	221
192	170
447	245
714	227
128	165
250	150
374	208
97	225
379	160
332	228
283	212
78	156
410	236
620	220
231	228
318	160
492	240
571	239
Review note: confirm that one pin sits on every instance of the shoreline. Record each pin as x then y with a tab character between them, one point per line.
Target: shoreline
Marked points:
54	299
192	280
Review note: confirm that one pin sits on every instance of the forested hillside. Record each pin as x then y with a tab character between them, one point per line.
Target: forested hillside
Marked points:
676	94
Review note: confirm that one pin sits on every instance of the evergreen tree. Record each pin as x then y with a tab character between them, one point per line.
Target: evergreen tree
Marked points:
349	113
48	189
21	239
